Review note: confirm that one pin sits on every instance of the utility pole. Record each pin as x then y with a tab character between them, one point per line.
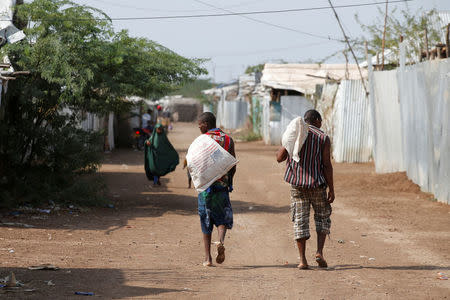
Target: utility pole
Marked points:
426	43
349	46
383	42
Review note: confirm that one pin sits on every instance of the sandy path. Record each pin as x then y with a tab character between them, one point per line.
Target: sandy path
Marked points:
395	239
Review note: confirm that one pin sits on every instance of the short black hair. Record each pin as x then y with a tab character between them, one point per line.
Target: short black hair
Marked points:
312	115
208	118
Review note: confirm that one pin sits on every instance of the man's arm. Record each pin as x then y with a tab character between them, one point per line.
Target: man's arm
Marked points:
328	169
282	154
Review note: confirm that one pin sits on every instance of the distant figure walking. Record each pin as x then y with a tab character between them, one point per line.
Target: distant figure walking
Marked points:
309	179
214	206
160	156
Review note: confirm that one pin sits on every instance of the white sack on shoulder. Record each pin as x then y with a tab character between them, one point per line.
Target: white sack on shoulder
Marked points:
294	137
207	161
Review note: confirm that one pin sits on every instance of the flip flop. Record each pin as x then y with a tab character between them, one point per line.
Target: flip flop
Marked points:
220	253
321	261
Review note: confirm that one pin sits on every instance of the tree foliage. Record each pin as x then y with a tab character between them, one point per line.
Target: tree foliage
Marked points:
78	64
193	89
254	69
410	25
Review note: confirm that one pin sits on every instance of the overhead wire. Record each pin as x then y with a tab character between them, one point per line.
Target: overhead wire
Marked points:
268	23
279	11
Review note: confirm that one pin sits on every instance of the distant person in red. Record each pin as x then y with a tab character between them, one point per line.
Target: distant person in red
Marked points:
309	179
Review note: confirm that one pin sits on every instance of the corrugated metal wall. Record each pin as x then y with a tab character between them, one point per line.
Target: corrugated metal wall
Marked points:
292	107
412	111
352	139
425	105
388	144
232	114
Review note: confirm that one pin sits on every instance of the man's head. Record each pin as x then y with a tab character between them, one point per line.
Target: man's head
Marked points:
206	121
313	117
149	111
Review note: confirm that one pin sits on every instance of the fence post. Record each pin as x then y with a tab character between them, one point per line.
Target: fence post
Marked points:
447	42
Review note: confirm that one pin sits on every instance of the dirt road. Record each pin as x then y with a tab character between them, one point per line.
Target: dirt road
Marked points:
388	240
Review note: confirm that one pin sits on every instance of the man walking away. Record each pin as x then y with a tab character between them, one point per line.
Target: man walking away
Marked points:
309	179
214	206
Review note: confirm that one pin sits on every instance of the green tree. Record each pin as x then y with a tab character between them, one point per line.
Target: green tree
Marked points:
193	89
254	69
410	25
78	64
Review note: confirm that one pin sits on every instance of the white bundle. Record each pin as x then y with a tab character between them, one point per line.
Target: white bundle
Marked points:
294	137
207	161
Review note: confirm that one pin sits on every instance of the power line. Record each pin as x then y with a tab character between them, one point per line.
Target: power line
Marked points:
268	23
349	46
254	12
152	9
233	13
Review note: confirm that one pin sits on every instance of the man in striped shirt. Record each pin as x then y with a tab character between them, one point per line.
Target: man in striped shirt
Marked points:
309	179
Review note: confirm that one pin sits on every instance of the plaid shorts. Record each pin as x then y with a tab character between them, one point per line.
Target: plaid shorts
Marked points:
301	200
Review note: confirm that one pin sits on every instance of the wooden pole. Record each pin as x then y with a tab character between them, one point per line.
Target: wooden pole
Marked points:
383	42
347	76
350	47
447	41
366	50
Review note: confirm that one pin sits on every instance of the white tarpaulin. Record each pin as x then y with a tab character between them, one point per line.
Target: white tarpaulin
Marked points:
8	31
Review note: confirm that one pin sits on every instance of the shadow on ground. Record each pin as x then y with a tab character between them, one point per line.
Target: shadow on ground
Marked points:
345	267
104	283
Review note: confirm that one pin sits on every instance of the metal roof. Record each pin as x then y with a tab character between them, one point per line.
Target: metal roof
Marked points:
304	77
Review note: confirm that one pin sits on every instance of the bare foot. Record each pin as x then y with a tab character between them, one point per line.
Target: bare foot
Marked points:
321	261
207	264
220	253
303	266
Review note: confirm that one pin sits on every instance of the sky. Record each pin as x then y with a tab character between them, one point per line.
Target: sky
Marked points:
234	42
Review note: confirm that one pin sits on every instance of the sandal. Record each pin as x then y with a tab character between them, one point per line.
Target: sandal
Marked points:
220	253
321	261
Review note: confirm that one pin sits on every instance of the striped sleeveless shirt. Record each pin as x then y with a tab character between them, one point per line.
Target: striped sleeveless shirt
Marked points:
308	172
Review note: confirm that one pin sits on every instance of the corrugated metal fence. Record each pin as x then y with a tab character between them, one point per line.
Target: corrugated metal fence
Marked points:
352	134
232	114
412	111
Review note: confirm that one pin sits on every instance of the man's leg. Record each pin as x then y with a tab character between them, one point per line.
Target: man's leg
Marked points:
222	230
322	212
301	243
207	244
320	242
300	216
